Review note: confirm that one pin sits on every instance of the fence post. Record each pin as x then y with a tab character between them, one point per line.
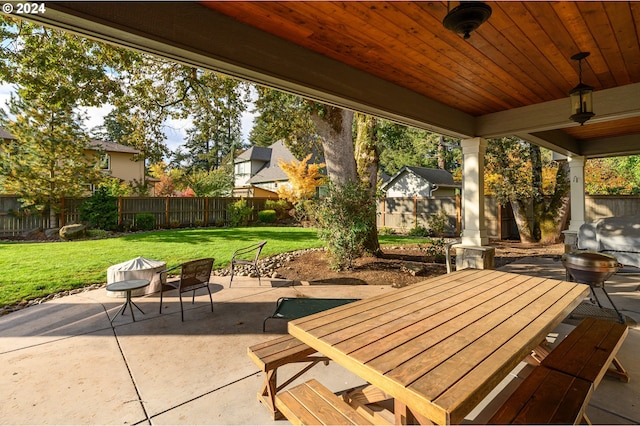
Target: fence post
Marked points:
384	209
415	211
120	210
62	221
206	211
166	212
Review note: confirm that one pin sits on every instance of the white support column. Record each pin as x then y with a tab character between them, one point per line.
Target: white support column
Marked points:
474	252
576	177
576	174
474	231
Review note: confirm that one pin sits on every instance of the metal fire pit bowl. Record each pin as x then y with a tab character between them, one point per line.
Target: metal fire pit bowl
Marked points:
590	267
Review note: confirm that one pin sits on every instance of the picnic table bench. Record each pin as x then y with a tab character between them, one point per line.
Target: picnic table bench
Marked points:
313	404
559	389
271	355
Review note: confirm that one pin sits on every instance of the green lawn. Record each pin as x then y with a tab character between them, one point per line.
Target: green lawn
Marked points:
30	270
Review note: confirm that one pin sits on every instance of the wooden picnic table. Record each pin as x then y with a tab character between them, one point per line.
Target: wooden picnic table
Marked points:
440	346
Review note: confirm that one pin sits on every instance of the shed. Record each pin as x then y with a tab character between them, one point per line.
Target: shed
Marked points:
420	181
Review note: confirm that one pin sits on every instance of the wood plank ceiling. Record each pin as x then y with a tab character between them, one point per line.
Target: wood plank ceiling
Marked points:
521	56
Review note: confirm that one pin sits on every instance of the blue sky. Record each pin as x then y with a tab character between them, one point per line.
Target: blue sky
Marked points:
175	130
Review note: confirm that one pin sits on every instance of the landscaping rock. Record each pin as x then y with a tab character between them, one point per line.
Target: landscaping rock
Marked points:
31	233
51	233
73	232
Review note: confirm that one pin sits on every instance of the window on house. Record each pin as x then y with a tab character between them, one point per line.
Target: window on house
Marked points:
105	162
243	168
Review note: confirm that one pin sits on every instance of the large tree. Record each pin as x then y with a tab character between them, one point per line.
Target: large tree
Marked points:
54	74
156	90
514	174
402	146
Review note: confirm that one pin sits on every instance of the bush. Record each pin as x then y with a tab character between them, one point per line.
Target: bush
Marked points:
418	231
267	216
438	224
342	218
386	231
281	207
97	233
145	221
239	213
100	210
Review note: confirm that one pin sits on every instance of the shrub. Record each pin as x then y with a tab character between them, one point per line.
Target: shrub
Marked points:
239	212
145	221
386	231
100	210
438	223
342	218
418	231
97	233
267	216
281	207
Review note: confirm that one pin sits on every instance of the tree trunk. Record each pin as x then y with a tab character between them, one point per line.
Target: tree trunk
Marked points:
538	199
334	126
558	209
367	159
442	164
520	215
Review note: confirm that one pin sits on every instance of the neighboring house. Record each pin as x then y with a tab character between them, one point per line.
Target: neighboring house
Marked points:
257	173
116	160
421	182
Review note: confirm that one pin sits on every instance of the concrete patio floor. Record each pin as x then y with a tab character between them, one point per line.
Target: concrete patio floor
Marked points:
63	362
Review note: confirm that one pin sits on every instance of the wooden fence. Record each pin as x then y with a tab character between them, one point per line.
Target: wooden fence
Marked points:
404	213
399	214
167	211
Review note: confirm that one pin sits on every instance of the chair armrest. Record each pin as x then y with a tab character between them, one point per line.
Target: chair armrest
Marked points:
170	269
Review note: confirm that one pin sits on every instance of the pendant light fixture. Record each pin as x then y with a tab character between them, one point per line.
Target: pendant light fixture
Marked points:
581	96
466	17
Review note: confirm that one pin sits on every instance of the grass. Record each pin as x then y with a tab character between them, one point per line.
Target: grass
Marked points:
31	270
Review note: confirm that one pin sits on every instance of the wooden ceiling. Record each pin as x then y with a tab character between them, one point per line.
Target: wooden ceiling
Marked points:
520	56
397	61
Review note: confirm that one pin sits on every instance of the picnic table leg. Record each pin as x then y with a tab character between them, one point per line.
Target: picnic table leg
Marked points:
267	394
404	415
618	371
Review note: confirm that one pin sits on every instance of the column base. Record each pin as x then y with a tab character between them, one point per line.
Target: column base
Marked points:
476	257
570	241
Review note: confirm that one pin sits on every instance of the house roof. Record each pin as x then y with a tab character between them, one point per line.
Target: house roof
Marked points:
5	135
255	153
271	172
112	147
436	176
93	144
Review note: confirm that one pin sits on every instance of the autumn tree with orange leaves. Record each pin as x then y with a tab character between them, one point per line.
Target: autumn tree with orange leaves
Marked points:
304	178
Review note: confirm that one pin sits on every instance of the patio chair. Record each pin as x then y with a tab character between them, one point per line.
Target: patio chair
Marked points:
246	256
193	276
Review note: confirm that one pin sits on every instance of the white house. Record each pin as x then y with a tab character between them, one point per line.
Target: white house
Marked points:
421	182
257	173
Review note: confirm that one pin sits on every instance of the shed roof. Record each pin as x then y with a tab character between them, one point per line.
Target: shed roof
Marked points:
435	176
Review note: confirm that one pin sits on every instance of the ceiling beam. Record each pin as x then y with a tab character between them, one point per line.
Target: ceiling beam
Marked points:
610	104
555	140
193	34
